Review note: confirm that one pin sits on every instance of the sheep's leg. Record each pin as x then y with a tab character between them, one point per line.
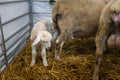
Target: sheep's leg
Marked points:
99	56
33	55
101	39
58	54
104	30
43	54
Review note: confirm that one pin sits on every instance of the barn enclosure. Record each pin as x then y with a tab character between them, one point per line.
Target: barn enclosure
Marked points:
17	18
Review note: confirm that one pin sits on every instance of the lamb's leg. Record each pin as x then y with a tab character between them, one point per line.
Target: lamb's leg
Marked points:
33	55
43	54
58	54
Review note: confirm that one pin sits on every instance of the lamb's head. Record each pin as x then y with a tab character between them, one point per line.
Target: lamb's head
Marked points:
115	9
44	37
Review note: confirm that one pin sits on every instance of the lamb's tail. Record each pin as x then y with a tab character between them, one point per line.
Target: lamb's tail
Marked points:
36	41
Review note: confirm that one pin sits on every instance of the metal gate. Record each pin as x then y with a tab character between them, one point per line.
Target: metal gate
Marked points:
17	18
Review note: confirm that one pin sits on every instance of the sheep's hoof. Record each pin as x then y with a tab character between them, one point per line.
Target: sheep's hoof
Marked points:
57	58
95	77
57	41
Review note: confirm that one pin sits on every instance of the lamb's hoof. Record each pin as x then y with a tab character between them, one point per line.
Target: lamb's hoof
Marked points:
45	63
32	64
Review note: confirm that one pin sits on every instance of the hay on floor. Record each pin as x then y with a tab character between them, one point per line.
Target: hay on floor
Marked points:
77	63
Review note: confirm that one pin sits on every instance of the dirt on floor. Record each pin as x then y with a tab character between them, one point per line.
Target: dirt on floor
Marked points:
77	63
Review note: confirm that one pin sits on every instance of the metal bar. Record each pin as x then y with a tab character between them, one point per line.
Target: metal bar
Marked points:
5	60
40	13
16	41
4	47
30	14
44	0
52	0
16	49
15	33
1	54
14	19
11	2
2	62
12	53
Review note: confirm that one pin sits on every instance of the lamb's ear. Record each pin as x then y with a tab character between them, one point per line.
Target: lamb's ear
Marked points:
36	41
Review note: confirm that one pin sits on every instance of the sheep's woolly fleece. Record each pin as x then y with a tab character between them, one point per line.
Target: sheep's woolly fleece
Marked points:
116	6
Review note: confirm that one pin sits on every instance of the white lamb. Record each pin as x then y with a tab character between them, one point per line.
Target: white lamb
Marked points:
41	32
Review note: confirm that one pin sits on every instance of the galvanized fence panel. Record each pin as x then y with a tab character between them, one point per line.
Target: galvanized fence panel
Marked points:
14	29
16	22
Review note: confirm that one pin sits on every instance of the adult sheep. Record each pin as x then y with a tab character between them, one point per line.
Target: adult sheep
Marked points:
76	18
108	34
79	18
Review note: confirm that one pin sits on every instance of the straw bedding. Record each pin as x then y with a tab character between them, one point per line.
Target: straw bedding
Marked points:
77	63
